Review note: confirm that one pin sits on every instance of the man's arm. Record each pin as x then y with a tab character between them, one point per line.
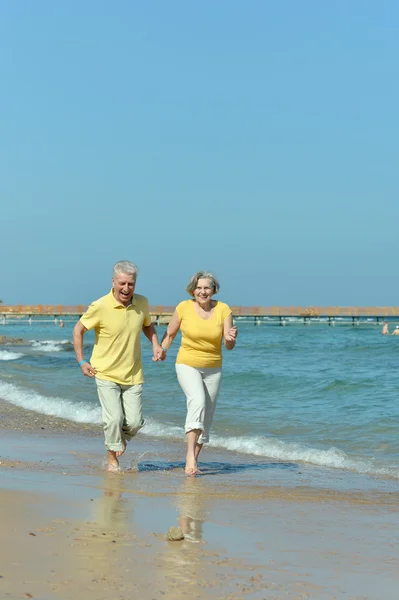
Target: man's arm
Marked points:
151	334
77	336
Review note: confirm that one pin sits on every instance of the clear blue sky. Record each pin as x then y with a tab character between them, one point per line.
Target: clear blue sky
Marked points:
256	139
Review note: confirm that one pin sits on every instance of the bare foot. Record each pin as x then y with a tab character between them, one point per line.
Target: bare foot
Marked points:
113	463
191	466
120	452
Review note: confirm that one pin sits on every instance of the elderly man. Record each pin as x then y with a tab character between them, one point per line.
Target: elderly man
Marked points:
118	319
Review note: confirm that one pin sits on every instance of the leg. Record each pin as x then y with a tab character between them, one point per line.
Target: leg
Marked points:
211	381
190	381
109	394
198	448
191	459
132	410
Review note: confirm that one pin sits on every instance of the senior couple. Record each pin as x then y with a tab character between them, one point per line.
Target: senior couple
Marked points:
118	320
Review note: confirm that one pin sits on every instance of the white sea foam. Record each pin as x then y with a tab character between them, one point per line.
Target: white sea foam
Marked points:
6	355
57	407
156	429
51	345
278	450
292	452
256	446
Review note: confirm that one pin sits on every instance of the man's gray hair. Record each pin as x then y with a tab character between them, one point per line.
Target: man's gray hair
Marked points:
126	267
192	284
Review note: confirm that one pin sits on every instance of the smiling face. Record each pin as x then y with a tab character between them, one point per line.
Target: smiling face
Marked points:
204	291
123	286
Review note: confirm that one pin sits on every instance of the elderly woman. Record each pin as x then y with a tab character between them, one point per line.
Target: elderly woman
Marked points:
204	323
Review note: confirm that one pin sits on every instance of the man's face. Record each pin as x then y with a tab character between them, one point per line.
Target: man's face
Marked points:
123	285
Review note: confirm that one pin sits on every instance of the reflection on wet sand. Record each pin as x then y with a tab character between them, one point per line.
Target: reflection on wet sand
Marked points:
112	510
180	568
191	507
101	545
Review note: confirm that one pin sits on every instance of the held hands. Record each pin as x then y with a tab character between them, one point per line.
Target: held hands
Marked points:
88	370
159	354
231	335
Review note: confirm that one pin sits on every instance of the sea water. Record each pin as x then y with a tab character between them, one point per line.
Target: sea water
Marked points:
318	395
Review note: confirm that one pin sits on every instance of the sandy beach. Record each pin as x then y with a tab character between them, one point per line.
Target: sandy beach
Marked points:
70	530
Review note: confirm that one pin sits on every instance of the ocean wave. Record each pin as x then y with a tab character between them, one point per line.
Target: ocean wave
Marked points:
278	450
287	451
269	448
154	428
53	406
51	345
6	355
345	385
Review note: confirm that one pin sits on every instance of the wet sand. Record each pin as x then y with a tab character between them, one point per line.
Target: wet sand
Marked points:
70	530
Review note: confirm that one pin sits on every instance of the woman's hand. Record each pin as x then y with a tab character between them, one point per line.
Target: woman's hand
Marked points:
231	334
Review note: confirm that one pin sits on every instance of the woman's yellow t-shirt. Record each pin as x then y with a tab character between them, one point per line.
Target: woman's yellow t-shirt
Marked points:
201	344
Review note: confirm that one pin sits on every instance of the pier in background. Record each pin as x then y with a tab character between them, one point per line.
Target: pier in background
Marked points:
257	315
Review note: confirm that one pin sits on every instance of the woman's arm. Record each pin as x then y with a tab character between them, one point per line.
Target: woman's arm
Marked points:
229	332
171	332
151	335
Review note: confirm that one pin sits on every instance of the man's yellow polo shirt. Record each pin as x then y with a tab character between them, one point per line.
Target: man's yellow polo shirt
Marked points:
117	350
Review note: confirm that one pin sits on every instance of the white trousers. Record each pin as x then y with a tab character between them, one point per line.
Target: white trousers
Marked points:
121	412
201	387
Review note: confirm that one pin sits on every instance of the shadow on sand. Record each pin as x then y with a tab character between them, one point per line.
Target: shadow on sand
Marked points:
216	468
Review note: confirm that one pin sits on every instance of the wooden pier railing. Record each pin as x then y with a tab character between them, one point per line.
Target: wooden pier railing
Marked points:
238	311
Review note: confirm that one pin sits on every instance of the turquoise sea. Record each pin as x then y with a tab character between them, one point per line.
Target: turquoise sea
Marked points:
320	396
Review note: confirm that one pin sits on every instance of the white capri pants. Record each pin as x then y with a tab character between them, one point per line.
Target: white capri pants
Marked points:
201	387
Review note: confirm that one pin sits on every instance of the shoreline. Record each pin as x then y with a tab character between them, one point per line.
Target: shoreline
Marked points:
26	433
151	452
18	418
74	530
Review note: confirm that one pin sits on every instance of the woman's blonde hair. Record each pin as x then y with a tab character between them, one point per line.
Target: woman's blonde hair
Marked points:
192	284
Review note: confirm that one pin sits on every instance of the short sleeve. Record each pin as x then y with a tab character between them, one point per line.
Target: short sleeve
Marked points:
147	317
226	311
180	309
91	318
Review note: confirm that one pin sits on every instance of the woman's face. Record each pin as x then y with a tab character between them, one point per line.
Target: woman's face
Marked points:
203	291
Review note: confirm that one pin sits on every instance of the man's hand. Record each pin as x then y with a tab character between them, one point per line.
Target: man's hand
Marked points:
159	354
88	370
